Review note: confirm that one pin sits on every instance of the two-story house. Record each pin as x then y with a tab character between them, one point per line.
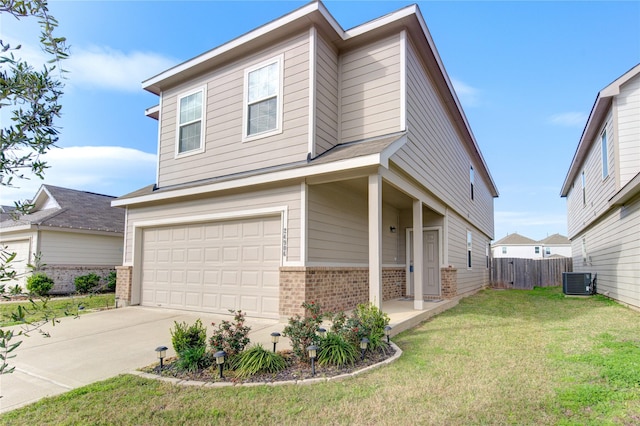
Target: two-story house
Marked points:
602	188
518	246
305	162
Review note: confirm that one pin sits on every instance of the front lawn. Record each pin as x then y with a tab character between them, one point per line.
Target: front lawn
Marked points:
499	357
56	307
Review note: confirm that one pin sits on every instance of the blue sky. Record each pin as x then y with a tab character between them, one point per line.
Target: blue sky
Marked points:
527	74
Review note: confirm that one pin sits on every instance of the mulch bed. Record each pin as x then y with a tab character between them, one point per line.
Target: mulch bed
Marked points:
296	370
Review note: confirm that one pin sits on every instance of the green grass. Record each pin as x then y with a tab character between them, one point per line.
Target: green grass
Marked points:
54	308
499	357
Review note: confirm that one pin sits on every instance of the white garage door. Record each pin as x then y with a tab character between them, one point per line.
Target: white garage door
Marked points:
19	263
213	267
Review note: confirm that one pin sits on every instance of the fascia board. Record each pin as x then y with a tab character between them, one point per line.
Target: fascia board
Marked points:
298	173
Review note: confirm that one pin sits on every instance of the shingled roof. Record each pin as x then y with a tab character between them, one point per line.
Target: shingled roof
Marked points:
556	240
58	207
515	239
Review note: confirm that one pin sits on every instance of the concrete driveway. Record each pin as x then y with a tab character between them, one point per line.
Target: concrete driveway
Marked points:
101	345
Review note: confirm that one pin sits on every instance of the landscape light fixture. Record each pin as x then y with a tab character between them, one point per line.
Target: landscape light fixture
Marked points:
387	331
162	353
219	356
322	332
313	352
275	336
363	347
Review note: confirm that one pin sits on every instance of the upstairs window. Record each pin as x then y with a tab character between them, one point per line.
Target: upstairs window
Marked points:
605	155
263	99
537	250
584	189
471	180
547	251
504	250
190	120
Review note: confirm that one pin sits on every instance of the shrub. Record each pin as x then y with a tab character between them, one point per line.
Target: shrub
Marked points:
302	330
372	322
231	337
257	359
185	337
15	290
194	358
335	349
111	281
39	284
86	283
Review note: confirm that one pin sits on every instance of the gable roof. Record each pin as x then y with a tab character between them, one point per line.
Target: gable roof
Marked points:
316	14
598	112
555	240
58	207
515	239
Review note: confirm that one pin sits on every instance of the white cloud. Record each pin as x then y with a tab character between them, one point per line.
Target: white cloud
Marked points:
107	68
570	119
469	96
110	170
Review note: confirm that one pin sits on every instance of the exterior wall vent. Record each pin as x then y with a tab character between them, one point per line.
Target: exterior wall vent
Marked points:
578	284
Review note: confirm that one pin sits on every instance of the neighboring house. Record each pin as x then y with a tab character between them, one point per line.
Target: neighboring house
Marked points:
602	188
73	232
518	246
295	163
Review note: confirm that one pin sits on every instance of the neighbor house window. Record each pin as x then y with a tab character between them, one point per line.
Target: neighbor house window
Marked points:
471	180
263	99
468	249
537	250
605	155
504	250
547	251
190	120
584	187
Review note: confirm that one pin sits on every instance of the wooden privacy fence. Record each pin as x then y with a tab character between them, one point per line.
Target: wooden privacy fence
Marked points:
507	272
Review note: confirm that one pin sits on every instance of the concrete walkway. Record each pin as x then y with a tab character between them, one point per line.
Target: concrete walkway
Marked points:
105	344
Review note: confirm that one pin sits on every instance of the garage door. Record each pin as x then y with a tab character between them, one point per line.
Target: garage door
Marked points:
19	263
213	267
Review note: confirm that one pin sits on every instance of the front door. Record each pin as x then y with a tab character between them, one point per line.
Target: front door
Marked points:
430	261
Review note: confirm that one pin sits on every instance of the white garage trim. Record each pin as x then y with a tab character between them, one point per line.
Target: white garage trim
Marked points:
140	226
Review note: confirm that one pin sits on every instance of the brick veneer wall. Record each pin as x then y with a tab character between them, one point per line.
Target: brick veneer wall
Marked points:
335	289
64	276
123	285
449	278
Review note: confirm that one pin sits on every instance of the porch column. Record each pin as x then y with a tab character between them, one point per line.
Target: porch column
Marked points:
418	292
375	240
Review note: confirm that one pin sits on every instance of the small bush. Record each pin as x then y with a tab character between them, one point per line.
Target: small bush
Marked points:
194	358
15	290
231	337
111	281
86	283
302	330
335	349
372	322
39	284
259	360
185	336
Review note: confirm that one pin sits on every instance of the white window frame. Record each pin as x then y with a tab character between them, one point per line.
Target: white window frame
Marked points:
469	249
605	154
584	188
504	249
279	95
203	118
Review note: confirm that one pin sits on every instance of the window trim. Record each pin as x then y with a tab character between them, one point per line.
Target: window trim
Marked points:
203	118
584	188
279	99
604	153
472	179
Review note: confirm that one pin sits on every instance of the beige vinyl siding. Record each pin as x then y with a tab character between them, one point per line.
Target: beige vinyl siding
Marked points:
326	96
598	191
628	105
613	250
231	203
338	227
478	275
370	90
225	152
66	248
436	156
